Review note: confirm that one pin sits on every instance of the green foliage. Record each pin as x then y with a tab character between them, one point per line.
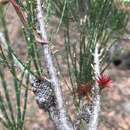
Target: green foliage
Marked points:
96	21
12	120
29	32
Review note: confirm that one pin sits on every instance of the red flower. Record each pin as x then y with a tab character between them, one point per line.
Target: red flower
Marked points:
104	81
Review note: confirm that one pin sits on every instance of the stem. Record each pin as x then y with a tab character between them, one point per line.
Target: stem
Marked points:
96	98
65	123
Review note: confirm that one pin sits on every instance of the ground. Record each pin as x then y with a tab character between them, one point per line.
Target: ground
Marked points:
115	110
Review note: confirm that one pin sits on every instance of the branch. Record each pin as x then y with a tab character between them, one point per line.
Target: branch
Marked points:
63	118
96	96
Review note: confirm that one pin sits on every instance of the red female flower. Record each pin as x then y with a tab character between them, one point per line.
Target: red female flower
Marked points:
104	81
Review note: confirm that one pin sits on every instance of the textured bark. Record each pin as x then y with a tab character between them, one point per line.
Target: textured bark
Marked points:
61	119
95	90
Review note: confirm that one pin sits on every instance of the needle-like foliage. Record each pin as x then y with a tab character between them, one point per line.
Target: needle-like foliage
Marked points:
11	110
95	21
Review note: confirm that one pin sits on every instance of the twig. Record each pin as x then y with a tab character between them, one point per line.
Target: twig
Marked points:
65	123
